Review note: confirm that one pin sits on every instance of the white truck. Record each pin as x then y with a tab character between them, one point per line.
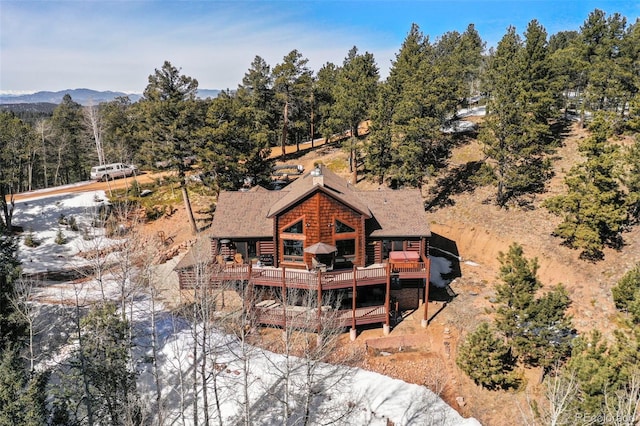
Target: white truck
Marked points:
112	171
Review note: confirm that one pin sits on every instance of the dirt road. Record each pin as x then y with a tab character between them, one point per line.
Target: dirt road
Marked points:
87	186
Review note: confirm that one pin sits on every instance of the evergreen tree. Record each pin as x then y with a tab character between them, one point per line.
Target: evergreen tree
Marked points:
106	348
546	334
257	115
603	370
516	131
626	292
353	94
538	329
469	57
631	179
292	85
120	129
22	398
486	359
17	146
609	71
594	210
516	294
421	95
74	157
101	378
234	143
12	325
323	94
170	115
378	147
568	70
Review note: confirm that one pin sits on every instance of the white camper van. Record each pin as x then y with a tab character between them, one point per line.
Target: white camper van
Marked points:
112	171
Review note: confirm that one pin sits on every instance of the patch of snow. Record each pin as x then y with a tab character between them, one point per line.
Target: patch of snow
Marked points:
41	217
460	126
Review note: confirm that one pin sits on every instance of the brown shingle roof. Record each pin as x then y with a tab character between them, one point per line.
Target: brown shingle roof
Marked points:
200	252
396	213
244	214
390	213
332	184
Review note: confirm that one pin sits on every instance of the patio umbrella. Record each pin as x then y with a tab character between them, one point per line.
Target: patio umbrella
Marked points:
321	248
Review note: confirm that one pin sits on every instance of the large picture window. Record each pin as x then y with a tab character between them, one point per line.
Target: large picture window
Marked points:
293	250
346	248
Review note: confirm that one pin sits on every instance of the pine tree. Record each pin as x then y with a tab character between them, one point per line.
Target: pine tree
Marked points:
22	398
169	115
631	179
517	292
378	146
12	325
292	83
594	209
486	359
603	371
74	152
545	336
354	94
626	292
538	329
421	95
516	133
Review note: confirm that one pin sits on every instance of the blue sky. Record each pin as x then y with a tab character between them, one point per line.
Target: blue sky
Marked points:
116	45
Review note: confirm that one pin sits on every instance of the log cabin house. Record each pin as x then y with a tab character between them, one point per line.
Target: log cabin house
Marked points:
361	255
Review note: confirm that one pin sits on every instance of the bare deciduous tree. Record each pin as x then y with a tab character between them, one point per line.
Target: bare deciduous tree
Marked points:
93	122
623	408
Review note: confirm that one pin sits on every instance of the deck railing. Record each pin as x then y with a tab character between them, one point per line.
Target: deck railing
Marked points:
302	279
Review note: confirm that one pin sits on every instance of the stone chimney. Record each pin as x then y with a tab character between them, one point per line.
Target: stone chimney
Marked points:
316	174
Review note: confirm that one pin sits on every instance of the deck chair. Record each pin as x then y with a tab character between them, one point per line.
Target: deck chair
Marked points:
237	258
220	259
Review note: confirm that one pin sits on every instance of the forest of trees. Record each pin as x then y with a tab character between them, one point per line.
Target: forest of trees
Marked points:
531	85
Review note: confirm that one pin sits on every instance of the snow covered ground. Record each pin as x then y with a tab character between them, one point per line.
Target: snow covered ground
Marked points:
362	397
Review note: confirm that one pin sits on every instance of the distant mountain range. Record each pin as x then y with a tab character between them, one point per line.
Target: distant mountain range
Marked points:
84	96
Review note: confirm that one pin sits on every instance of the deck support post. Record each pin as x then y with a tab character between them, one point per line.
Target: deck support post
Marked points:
319	327
284	299
425	317
353	334
386	329
387	302
353	301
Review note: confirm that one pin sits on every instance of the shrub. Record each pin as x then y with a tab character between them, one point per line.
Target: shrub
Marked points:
487	360
60	238
73	225
29	239
626	293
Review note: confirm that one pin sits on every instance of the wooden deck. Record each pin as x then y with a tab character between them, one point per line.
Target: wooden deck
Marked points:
275	314
312	280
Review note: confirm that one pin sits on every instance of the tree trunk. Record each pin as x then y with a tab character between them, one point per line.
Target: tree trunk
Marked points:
187	206
285	128
312	130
